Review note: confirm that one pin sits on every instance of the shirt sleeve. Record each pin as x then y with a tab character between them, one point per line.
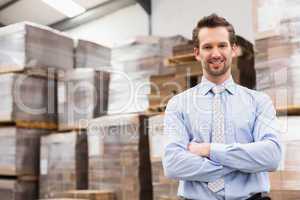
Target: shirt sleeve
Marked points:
178	162
263	154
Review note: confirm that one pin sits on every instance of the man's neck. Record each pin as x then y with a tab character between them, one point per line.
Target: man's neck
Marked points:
218	80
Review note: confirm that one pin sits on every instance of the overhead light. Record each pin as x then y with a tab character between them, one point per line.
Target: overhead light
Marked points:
66	7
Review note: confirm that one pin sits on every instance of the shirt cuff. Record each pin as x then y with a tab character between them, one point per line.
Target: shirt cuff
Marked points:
217	152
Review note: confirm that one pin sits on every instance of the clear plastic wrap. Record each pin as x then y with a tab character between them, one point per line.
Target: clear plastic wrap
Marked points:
119	156
162	186
27	45
64	163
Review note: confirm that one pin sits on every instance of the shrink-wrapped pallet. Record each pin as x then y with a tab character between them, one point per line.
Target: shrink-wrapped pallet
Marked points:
14	189
82	95
64	164
26	45
119	156
28	99
162	186
91	55
133	63
19	151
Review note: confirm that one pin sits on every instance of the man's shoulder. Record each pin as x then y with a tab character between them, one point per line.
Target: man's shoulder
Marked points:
256	96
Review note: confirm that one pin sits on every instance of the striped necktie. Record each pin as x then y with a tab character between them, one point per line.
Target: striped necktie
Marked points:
218	131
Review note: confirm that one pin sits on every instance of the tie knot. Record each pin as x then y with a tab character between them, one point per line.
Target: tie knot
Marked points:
218	89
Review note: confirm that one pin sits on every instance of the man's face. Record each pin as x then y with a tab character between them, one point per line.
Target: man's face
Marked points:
215	52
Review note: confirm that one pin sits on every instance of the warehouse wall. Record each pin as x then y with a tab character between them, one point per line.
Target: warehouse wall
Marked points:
174	16
115	28
169	17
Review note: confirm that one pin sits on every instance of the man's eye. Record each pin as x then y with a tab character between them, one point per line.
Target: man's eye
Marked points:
223	46
207	47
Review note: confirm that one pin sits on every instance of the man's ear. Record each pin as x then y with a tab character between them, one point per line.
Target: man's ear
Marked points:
235	50
197	53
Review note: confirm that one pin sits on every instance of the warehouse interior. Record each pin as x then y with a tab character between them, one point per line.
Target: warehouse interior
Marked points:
84	85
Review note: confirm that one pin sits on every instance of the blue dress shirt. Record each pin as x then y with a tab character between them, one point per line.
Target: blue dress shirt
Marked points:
251	150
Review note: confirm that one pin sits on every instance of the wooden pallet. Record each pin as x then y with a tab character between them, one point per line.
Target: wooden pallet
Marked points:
182	59
289	110
63	199
104	194
157	109
20	178
36	125
6	123
11	69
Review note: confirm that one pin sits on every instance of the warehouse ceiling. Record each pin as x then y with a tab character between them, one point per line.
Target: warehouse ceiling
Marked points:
13	11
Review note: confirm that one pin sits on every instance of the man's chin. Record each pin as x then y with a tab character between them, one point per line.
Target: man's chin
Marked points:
217	72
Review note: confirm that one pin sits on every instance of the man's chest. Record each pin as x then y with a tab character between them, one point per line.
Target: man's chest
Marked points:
239	120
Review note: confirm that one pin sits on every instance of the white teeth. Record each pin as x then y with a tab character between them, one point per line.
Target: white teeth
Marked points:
216	62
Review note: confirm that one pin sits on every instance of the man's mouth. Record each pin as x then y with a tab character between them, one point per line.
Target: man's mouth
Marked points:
216	62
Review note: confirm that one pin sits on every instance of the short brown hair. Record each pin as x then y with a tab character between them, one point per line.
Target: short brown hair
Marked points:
213	21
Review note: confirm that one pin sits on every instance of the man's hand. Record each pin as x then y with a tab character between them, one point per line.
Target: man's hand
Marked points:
200	149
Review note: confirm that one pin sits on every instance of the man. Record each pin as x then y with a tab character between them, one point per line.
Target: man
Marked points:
222	137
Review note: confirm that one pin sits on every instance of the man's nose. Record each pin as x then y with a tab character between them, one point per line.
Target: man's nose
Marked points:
215	52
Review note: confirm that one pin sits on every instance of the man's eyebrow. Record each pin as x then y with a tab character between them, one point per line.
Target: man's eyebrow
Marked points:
206	44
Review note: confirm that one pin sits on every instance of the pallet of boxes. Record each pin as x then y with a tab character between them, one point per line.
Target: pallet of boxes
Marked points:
185	72
39	90
277	67
28	102
163	188
134	62
119	160
82	94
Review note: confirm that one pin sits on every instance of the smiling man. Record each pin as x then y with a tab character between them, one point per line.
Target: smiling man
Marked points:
222	137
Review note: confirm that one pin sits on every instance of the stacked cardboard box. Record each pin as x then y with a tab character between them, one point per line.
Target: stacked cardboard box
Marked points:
43	102
23	46
119	156
133	64
28	98
82	95
19	162
91	55
277	63
162	186
164	87
28	101
285	181
14	189
183	49
185	72
19	151
41	90
277	59
64	163
25	99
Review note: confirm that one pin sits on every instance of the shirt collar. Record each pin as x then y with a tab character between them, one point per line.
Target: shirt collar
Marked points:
206	85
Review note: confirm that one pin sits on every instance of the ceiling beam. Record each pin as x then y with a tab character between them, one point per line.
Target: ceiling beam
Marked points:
9	3
146	4
93	14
